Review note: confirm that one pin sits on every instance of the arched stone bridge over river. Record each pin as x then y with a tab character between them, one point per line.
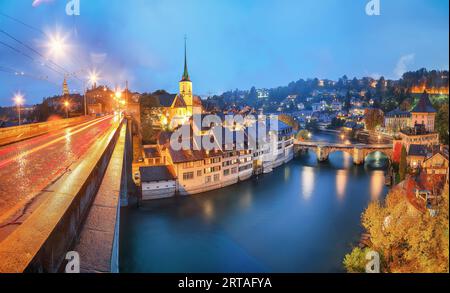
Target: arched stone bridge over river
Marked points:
358	151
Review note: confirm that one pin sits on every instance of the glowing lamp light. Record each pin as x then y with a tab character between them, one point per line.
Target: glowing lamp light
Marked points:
66	104
57	45
93	77
118	95
19	99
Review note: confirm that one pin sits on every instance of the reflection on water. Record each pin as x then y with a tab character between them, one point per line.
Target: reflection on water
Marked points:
259	225
307	182
341	183
376	184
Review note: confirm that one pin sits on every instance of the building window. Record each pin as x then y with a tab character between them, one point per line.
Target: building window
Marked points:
216	177
226	172
199	173
188	176
212	169
188	165
208	179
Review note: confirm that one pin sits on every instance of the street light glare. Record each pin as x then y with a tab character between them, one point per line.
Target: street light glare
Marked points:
66	104
57	45
19	99
93	77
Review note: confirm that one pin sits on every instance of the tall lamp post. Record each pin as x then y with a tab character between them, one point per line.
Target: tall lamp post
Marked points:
19	100
67	105
118	95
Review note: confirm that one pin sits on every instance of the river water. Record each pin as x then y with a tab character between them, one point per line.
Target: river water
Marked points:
303	217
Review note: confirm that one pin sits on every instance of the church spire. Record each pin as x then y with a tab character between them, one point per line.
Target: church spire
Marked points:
185	73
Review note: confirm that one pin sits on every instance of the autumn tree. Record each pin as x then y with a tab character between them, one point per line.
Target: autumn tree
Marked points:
403	164
373	118
406	239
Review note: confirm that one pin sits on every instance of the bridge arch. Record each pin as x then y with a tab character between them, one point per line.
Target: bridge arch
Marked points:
386	154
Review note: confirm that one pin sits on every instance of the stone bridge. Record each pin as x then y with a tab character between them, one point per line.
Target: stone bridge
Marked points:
358	151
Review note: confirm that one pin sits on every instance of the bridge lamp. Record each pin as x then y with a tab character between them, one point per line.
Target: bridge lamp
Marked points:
19	101
67	105
93	77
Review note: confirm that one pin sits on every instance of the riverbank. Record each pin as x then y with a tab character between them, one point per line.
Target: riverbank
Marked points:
303	217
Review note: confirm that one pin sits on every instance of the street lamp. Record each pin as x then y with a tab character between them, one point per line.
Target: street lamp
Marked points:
92	78
67	105
117	96
57	45
19	100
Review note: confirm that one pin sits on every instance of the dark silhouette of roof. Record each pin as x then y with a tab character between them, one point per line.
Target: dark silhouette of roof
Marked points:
156	173
424	105
398	113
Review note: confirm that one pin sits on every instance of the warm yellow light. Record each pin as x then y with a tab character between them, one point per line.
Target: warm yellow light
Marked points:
118	95
57	45
19	99
93	77
122	102
66	104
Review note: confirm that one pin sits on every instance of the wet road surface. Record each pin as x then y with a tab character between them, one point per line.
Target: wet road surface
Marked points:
27	167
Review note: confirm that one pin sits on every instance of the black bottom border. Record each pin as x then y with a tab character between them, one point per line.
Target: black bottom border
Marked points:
148	282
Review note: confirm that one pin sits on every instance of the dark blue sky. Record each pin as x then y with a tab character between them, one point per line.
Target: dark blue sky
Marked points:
231	43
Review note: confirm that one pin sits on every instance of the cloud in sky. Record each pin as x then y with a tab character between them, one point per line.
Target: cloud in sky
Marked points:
36	3
402	64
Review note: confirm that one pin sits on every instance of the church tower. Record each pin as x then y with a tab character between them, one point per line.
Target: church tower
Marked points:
186	85
65	88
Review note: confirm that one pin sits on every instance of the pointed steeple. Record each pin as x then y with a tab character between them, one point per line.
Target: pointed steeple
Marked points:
185	73
65	87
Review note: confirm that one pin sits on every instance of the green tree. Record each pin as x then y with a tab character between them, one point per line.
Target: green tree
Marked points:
442	123
355	261
403	164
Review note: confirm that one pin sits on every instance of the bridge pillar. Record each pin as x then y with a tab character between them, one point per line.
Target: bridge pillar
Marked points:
358	156
322	154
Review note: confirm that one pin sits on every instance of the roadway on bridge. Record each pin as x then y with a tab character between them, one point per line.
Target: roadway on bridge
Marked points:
27	167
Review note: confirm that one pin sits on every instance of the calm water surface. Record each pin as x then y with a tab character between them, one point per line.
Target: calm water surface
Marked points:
303	217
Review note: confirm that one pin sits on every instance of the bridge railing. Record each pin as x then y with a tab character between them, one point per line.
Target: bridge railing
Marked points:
41	242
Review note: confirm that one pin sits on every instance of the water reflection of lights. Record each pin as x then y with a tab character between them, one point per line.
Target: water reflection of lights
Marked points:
208	209
376	184
287	173
341	183
348	161
245	200
307	182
